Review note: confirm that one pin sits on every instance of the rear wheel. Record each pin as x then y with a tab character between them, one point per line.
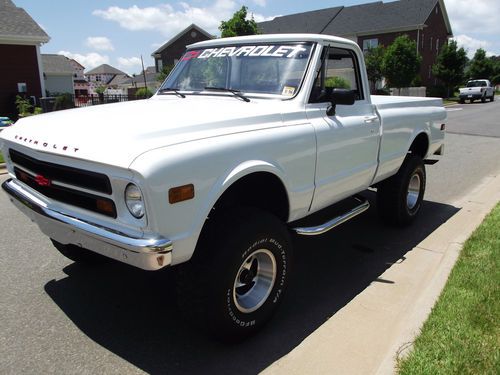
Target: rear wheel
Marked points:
399	198
78	254
492	98
238	275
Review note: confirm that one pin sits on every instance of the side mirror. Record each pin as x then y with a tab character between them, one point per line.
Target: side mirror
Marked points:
339	96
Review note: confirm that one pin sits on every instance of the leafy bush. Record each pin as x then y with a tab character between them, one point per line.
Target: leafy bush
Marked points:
337	82
143	92
437	91
64	101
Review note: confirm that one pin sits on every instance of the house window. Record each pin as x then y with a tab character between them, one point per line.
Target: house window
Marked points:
369	43
160	65
437	45
422	41
98	78
431	43
430	71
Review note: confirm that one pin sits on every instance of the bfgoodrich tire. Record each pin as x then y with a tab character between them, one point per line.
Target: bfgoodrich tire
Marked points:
399	198
78	254
238	276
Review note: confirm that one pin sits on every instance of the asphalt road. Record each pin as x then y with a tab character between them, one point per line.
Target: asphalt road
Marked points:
58	317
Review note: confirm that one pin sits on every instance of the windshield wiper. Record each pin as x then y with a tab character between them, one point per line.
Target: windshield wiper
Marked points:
234	92
167	89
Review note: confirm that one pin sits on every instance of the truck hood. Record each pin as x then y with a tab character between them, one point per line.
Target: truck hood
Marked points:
116	134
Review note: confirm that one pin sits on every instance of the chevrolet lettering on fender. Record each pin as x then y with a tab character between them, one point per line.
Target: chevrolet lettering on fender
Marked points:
247	141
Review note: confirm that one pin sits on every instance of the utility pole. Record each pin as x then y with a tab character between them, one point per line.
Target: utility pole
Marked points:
143	73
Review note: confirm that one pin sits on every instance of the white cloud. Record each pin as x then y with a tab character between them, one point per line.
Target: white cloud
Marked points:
169	20
100	43
471	45
261	3
129	64
89	60
478	16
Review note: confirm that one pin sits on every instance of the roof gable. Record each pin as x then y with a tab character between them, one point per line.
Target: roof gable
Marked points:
17	26
180	34
105	69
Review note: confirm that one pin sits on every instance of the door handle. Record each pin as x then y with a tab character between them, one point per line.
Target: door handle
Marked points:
370	119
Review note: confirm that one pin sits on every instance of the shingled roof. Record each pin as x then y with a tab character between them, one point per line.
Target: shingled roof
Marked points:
308	22
105	69
371	18
56	64
17	25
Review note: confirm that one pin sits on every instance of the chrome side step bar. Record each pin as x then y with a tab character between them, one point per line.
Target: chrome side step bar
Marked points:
323	228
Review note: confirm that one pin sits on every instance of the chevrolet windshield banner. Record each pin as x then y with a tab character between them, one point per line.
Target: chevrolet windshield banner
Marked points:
283	51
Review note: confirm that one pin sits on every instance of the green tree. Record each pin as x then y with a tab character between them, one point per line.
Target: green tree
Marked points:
450	66
374	59
165	71
238	25
401	62
480	66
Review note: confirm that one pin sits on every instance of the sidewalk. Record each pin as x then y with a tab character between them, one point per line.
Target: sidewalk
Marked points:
367	335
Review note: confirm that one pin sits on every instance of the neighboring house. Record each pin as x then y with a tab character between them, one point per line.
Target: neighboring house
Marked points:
102	76
58	74
128	85
424	21
80	84
170	52
20	61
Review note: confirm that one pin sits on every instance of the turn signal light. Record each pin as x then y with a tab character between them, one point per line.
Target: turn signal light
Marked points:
106	206
181	193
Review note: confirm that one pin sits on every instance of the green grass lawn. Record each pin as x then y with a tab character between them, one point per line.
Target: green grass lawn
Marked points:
462	333
1	158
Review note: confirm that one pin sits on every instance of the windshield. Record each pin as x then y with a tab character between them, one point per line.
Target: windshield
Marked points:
272	68
476	84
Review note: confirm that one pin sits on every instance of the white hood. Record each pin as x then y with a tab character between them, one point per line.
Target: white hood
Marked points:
116	134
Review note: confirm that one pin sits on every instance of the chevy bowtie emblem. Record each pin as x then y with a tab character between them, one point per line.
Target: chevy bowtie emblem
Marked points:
42	181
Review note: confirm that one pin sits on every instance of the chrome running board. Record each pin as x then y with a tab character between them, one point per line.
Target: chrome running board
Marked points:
323	228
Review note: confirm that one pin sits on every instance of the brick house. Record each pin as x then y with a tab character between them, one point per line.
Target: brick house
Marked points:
103	75
372	24
170	52
20	62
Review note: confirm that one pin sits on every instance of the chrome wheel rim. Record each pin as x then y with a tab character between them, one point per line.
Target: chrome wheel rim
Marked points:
254	281
413	191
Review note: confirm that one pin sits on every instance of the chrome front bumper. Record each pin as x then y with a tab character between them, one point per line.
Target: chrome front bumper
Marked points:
149	253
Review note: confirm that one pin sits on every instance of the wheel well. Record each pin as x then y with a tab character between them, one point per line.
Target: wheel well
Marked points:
420	145
261	190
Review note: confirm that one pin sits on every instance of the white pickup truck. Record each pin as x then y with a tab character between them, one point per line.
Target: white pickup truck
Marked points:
243	143
477	89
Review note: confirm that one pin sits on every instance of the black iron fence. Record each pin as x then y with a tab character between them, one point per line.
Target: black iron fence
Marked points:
66	101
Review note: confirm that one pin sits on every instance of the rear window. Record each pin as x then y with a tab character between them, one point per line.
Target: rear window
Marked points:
477	84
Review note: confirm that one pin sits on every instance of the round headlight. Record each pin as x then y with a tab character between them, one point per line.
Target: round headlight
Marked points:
133	199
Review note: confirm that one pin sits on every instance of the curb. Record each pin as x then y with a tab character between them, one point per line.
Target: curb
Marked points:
3	168
379	325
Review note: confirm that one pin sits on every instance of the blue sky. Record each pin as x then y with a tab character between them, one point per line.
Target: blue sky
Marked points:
117	32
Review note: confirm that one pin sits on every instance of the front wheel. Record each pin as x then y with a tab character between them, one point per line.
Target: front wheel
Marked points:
399	198
492	98
238	275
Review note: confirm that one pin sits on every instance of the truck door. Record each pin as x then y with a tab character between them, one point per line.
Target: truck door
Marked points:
348	139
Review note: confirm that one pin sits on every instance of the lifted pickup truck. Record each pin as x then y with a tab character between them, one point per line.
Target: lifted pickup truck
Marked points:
244	141
477	89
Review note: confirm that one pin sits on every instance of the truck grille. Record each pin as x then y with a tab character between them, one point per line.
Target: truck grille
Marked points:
44	178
